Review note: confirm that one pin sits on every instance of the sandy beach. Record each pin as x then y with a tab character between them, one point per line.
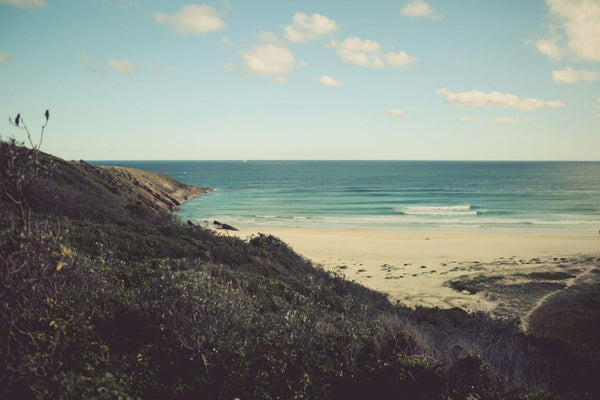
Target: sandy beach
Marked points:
414	268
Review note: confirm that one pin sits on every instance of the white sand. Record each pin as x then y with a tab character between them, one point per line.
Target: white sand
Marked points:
413	267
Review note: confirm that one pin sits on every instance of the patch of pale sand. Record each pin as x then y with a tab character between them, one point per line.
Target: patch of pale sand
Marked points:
412	267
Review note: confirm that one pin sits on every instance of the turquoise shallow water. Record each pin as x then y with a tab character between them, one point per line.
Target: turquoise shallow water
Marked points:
395	196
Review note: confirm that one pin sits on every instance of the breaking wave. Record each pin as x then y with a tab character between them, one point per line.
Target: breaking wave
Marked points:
457	210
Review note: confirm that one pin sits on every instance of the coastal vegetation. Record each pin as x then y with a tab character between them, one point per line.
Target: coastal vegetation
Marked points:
105	294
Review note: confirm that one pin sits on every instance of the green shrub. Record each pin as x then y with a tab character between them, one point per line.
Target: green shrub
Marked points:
125	302
550	276
473	284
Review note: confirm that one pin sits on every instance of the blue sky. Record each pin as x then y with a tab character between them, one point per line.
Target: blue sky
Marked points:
407	79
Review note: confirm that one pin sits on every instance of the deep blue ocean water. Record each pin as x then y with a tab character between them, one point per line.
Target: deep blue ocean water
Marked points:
394	196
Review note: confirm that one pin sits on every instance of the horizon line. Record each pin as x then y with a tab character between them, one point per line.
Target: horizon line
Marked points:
331	160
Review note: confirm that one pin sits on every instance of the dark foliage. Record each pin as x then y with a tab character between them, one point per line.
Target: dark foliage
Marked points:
103	297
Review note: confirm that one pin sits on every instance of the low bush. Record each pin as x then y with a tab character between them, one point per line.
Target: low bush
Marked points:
473	284
149	308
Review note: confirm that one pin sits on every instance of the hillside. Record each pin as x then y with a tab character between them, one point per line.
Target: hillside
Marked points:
104	294
159	191
90	192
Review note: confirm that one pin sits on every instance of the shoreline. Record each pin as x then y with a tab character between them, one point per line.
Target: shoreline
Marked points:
415	268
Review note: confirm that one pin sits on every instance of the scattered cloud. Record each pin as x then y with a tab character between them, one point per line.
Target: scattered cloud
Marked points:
476	98
419	9
326	80
192	20
226	41
230	67
4	57
396	113
279	79
124	67
268	37
367	53
28	4
89	65
570	75
503	120
576	30
270	56
270	59
399	59
116	3
156	66
550	48
305	28
467	119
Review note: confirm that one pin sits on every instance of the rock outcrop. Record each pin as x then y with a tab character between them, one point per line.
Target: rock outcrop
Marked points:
80	190
158	190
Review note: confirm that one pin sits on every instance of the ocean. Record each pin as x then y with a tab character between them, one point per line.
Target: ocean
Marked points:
548	198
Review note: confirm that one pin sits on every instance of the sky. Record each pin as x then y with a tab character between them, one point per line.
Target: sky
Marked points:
275	79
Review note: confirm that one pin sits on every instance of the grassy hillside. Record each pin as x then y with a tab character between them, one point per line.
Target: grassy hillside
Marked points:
104	294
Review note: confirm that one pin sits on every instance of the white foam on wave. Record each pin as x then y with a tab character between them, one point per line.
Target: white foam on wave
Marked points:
456	210
453	219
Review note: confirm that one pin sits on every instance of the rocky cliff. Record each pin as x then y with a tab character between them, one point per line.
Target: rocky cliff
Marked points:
80	190
158	190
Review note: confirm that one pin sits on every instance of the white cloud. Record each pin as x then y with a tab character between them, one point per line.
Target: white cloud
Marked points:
550	48
84	58
32	4
279	79
124	67
419	9
226	41
268	37
396	112
305	28
193	20
569	75
576	31
365	53
269	60
476	98
230	67
503	120
467	119
326	80
4	57
368	53
399	59
156	66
